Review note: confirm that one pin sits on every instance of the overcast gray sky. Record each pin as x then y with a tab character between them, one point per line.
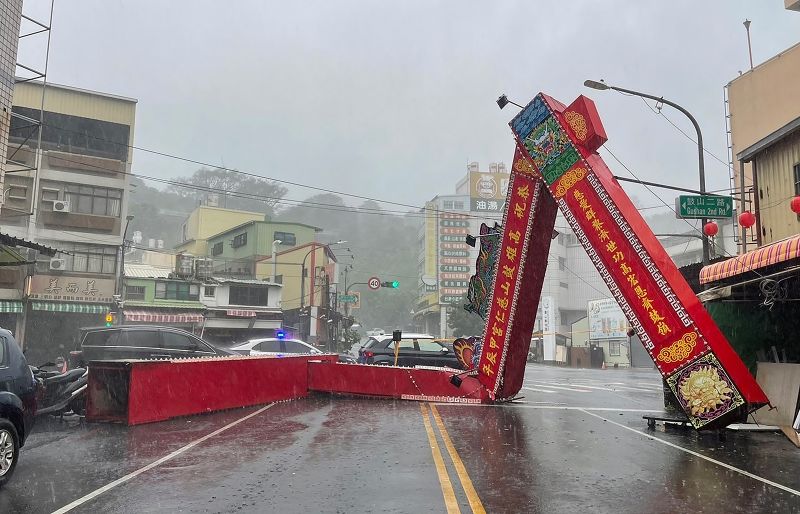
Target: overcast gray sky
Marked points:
392	99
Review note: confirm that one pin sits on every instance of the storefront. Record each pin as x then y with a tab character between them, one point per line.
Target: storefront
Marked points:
10	312
52	327
58	306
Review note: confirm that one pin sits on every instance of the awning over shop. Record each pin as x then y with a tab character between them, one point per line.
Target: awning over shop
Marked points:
155	316
78	308
6	239
765	256
10	306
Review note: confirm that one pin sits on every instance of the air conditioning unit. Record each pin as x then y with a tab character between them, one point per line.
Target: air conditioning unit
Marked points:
61	206
57	264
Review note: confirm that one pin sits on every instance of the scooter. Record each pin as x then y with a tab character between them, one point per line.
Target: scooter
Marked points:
60	392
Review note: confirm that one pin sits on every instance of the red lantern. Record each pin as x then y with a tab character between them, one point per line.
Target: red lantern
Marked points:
796	205
710	229
747	219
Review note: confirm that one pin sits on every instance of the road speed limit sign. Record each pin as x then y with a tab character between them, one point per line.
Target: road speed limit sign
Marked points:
374	283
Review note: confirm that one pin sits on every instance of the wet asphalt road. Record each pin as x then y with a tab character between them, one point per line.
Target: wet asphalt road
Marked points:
575	442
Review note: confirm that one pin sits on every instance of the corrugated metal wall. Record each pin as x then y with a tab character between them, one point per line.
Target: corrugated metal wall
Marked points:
777	188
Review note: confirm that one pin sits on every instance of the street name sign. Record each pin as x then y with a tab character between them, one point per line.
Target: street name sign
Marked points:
348	298
703	206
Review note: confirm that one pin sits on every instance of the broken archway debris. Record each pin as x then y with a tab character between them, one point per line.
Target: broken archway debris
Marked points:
556	165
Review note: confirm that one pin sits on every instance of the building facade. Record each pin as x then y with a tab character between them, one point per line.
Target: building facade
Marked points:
71	194
207	221
155	295
309	275
238	310
237	250
446	262
764	110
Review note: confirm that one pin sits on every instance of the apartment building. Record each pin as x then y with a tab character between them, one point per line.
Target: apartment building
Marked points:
70	194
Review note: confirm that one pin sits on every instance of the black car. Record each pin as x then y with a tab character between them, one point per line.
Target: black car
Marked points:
17	403
415	350
140	342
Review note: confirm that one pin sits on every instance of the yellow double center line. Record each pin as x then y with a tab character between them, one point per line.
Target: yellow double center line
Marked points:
450	500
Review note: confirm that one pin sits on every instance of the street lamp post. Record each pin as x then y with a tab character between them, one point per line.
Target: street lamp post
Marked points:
602	86
121	268
314	247
119	283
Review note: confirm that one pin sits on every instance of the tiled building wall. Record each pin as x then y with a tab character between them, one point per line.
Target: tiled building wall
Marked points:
10	18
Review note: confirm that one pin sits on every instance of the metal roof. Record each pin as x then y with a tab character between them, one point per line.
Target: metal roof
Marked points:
146	271
224	280
18	241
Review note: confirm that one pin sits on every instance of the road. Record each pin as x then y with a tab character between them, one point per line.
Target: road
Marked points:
575	441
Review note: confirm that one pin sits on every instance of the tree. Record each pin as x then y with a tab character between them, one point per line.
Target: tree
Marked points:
157	214
463	322
262	195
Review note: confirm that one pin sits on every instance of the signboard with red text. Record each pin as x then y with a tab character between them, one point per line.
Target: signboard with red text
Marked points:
529	213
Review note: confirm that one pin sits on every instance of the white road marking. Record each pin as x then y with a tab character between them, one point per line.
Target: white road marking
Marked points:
572	389
700	455
521	405
97	492
584	386
536	390
657	387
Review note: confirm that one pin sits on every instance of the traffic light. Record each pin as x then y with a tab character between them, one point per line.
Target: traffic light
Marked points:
394	284
109	319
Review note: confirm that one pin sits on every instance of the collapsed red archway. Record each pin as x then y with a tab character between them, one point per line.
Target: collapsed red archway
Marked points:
556	166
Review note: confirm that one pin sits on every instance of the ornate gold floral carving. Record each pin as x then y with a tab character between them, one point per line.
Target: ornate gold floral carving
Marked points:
577	123
704	390
568	180
679	350
522	165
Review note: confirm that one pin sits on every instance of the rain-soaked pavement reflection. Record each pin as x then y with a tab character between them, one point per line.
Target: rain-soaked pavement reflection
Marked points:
573	448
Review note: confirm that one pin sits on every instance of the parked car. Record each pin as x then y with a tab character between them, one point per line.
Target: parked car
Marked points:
280	347
275	346
140	342
17	403
415	350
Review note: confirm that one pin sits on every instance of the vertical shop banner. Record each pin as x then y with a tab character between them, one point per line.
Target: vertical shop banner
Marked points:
528	221
706	375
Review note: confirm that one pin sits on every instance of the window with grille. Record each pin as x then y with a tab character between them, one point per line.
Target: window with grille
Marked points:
217	249
134	292
248	295
84	259
177	291
82	198
797	183
286	238
797	179
240	240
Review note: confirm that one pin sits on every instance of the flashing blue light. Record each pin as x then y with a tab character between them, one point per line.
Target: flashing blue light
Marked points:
280	334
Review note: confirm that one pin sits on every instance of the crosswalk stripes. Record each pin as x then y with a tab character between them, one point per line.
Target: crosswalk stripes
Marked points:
583	387
551	386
